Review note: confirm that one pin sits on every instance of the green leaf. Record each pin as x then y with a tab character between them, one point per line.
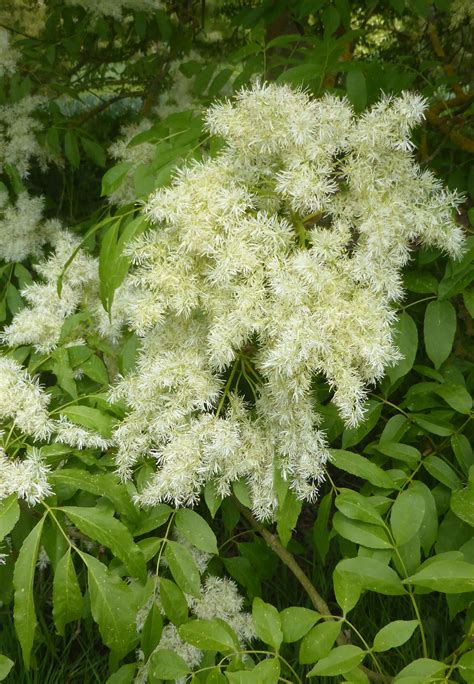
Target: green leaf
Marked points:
357	507
166	664
356	676
267	671
63	371
468	297
173	601
114	178
400	452
95	369
287	516
152	631
356	88
23	580
107	530
267	622
463	451
101	484
243	572
407	515
462	502
67	597
153	518
113	606
9	514
445	576
361	467
320	528
465	666
94	151
442	471
456	396
183	568
215	676
439	330
429	526
210	635
90	418
5	666
372	536
371	574
296	622
113	263
406	339
394	634
196	530
346	590
212	498
340	660
420	671
433	424
319	641
352	436
54	143
124	675
71	148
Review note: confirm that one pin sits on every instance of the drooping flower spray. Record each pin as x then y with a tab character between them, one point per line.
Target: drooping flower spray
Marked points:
274	263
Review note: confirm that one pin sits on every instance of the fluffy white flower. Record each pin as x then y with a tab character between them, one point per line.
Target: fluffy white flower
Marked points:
275	262
22	231
28	478
18	128
22	400
41	321
9	55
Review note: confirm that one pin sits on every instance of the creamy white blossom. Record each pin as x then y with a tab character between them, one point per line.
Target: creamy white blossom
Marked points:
40	322
18	128
22	400
23	233
9	55
28	478
274	263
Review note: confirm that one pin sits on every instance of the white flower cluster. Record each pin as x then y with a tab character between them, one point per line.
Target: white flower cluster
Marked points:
9	55
28	479
22	231
40	322
116	8
18	128
25	404
273	263
179	96
22	400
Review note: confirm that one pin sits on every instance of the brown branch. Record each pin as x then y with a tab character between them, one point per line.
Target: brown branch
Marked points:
453	103
316	599
464	143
